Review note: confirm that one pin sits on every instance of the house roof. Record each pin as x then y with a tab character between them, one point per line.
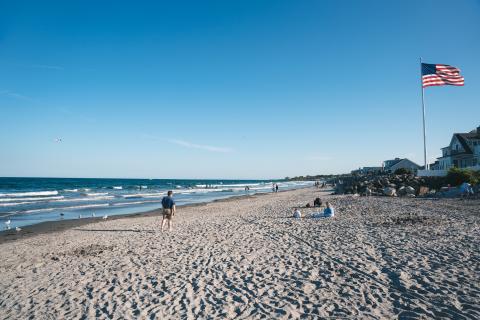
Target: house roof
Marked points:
396	161
393	161
405	160
464	137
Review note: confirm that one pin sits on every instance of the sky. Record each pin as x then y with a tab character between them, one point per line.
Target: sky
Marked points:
229	89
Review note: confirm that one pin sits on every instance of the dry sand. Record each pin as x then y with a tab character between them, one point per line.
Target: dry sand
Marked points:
247	258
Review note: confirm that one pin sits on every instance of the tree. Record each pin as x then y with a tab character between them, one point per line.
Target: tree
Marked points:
457	176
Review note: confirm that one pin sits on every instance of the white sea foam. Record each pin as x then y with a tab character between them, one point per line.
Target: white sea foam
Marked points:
118	188
70	190
31	199
29	194
96	194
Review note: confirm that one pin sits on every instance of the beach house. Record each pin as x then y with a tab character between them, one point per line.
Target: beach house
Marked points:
462	152
398	163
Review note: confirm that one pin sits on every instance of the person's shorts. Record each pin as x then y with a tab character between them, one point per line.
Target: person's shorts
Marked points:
167	213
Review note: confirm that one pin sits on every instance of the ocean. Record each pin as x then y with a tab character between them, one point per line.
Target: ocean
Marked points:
28	201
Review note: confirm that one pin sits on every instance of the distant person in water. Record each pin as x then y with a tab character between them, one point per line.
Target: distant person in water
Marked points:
168	210
329	211
276	187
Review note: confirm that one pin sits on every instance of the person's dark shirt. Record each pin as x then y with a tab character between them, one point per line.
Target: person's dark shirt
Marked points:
167	202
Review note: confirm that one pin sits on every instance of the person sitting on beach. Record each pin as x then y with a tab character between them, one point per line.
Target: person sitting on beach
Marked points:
329	211
168	210
317	202
297	214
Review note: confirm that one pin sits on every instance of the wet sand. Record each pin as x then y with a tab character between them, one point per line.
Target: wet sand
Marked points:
247	258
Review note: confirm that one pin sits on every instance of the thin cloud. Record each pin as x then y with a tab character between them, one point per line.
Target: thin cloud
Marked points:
46	66
15	95
319	158
190	145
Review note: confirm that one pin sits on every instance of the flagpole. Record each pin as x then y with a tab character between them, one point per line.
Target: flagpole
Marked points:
423	110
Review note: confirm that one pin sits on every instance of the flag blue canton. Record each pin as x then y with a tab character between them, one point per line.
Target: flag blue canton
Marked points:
428	68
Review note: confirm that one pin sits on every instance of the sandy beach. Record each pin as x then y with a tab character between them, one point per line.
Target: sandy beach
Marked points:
379	258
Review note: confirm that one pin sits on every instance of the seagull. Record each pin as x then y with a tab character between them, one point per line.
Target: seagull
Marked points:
93	214
18	229
7	224
105	217
58	140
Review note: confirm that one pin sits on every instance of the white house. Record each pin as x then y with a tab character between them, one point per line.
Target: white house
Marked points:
397	163
462	152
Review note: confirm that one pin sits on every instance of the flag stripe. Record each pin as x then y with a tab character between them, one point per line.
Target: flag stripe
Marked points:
441	75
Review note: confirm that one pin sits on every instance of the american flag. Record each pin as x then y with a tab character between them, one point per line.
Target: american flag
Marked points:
441	75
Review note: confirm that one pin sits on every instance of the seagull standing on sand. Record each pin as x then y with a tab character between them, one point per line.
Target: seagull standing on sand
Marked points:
18	229
7	224
105	217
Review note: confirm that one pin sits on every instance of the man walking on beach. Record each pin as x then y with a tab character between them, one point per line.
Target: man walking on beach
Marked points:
168	210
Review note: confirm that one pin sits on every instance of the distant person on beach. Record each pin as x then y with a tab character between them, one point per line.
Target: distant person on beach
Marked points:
317	202
466	189
329	211
276	187
168	210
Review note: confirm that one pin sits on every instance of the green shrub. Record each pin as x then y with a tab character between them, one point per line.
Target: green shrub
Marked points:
456	176
403	171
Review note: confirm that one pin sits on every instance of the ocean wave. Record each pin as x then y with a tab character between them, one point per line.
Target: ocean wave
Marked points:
70	190
144	195
234	185
131	196
12	204
31	194
86	199
31	199
118	188
69	208
135	202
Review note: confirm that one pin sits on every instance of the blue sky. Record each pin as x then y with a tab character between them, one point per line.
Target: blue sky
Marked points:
228	89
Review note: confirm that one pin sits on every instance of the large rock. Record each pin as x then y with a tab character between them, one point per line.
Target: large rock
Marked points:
423	191
391	192
406	191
